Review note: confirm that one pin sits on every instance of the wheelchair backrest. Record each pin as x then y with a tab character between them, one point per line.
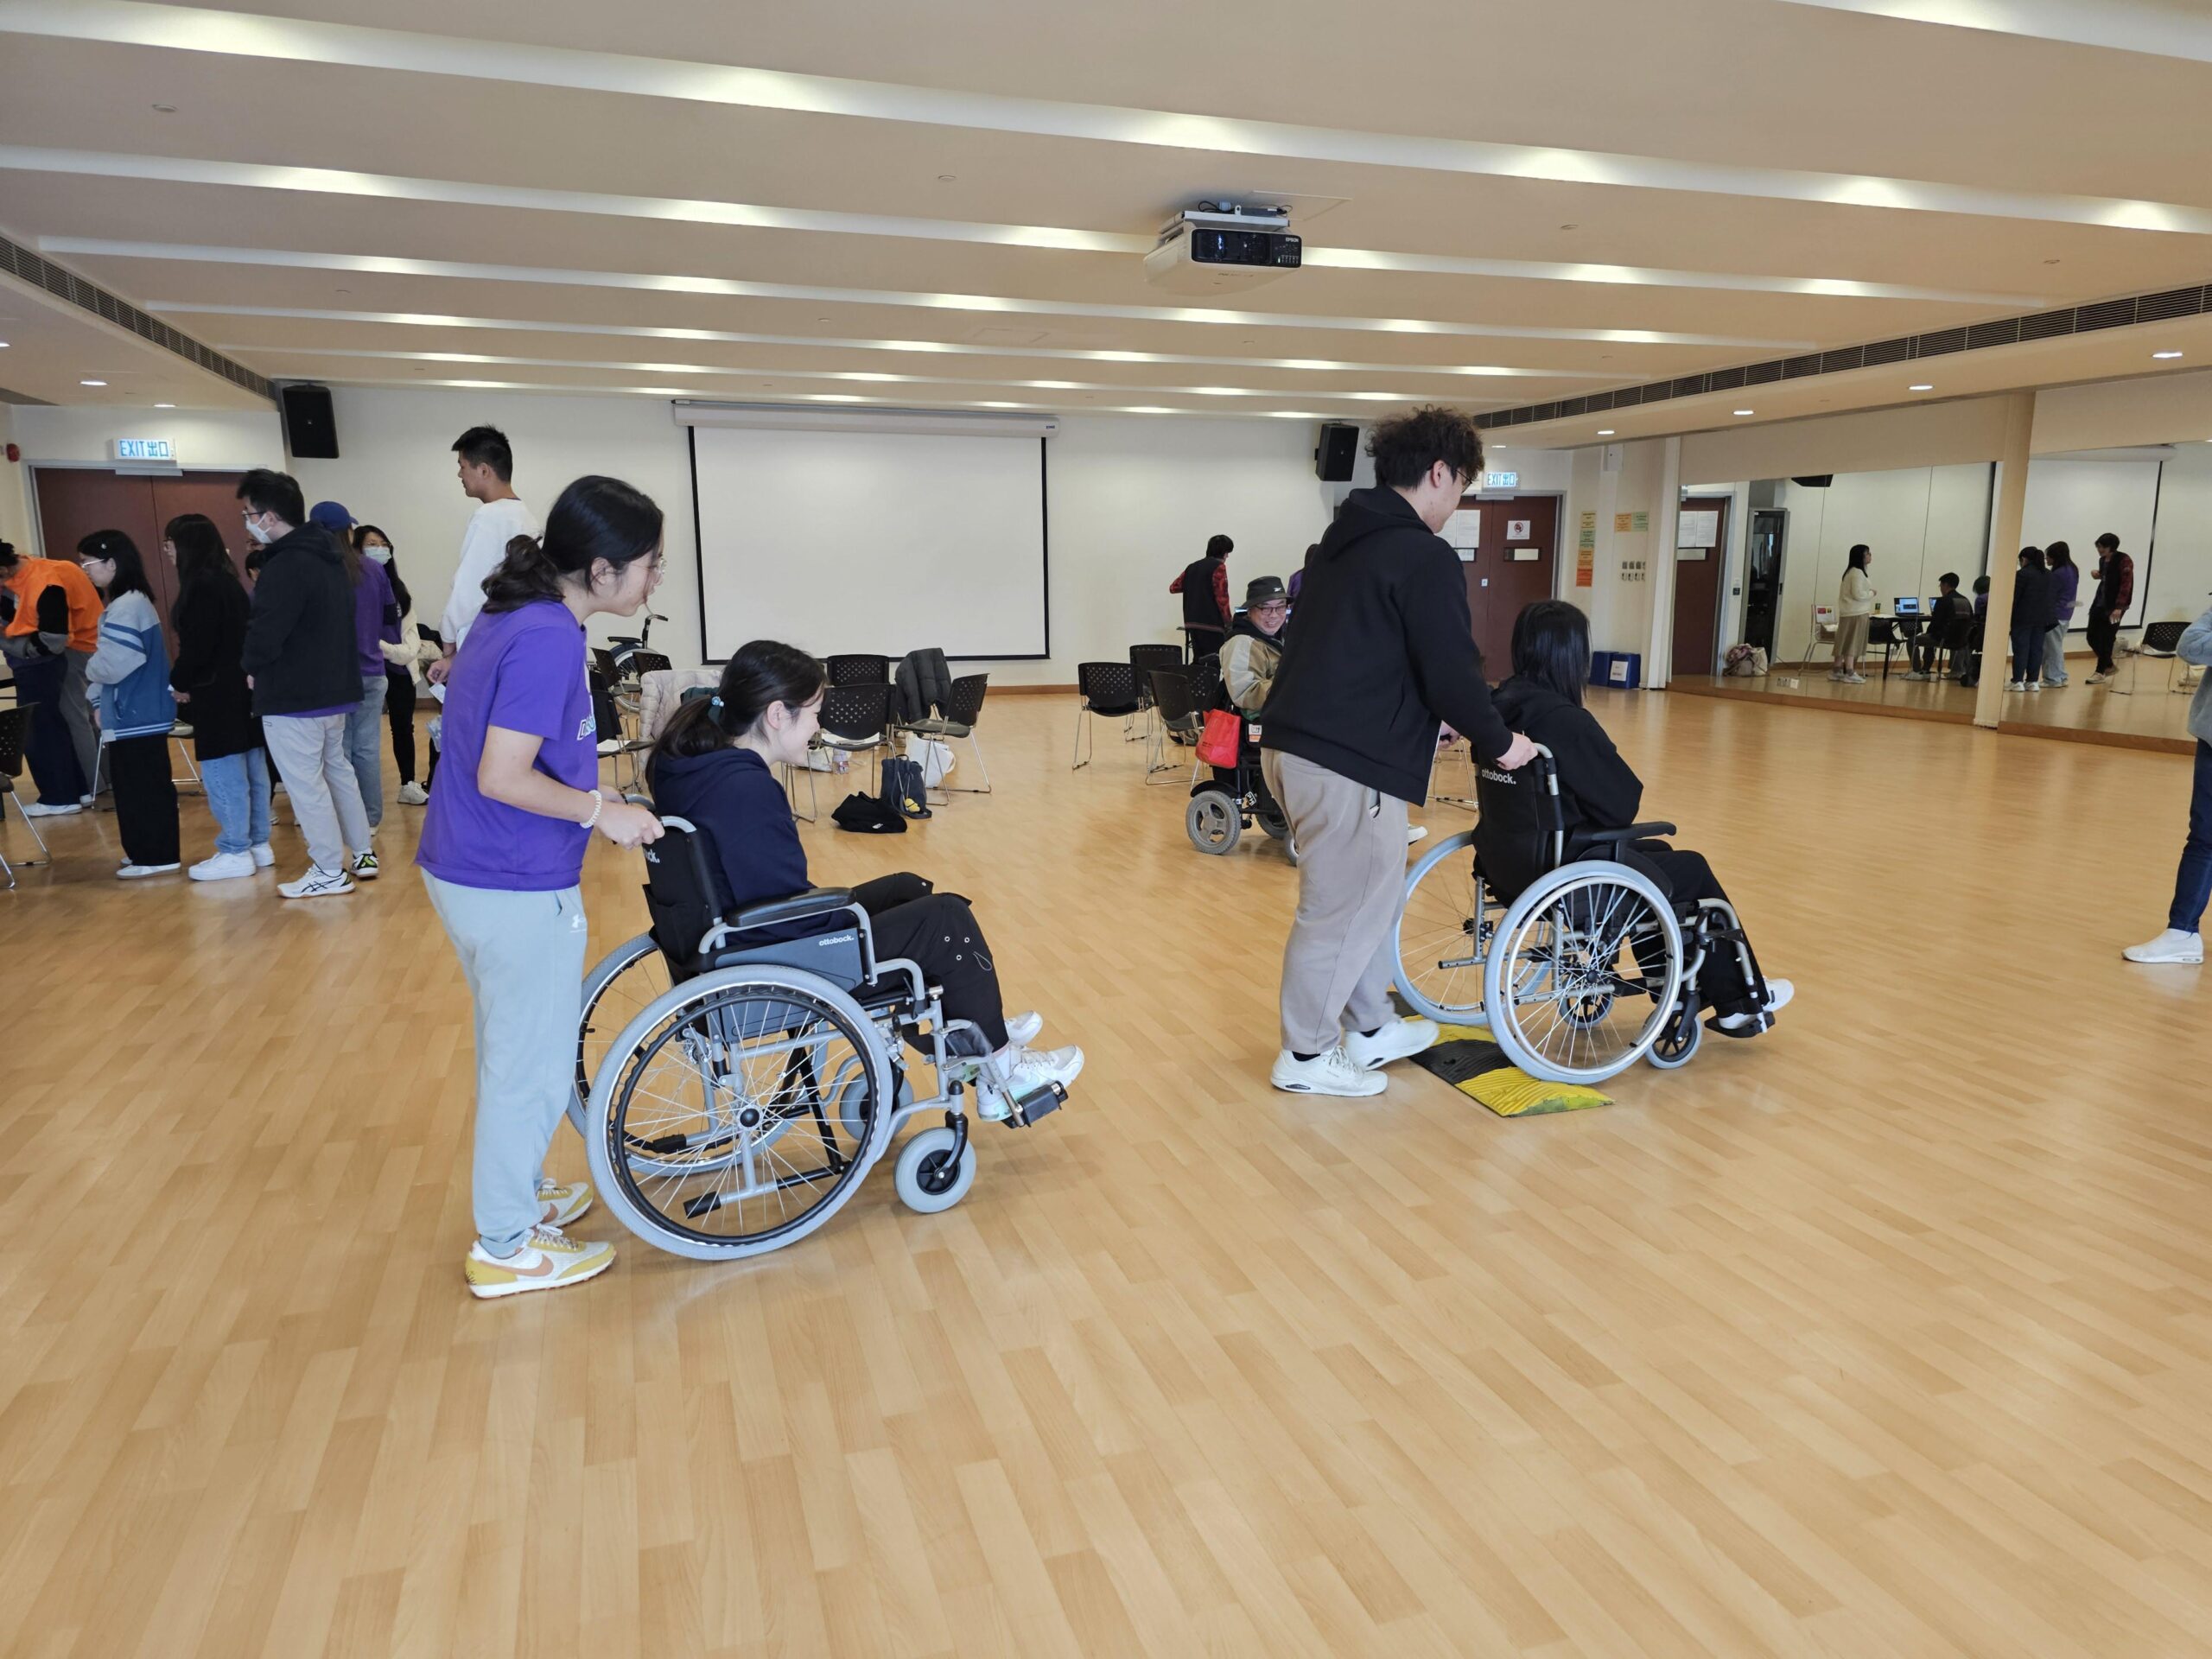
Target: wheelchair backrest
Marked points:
1520	830
680	893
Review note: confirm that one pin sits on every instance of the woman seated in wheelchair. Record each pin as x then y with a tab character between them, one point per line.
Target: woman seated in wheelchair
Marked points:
712	765
1599	790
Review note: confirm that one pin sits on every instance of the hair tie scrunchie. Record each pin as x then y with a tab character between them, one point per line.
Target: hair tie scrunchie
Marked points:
715	701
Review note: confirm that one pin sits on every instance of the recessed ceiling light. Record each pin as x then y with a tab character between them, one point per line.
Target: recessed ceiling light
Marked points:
2164	356
1747	411
1923	386
1607	432
164	405
4	345
91	382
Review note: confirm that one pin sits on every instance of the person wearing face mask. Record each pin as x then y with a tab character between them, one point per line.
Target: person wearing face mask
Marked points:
714	765
406	654
304	665
376	621
502	855
129	673
49	627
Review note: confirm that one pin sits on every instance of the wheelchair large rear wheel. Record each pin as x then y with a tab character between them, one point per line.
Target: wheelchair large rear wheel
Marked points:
620	985
724	1119
1583	973
1214	822
1443	932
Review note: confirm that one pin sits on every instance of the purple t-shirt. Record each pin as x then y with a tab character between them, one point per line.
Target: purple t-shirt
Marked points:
372	597
523	669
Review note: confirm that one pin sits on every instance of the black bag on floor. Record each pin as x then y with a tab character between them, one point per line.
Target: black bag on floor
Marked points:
867	816
904	790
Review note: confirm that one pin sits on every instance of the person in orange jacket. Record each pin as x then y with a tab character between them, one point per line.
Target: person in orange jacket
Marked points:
51	628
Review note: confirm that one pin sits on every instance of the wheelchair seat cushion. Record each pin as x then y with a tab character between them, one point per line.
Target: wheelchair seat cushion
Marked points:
816	901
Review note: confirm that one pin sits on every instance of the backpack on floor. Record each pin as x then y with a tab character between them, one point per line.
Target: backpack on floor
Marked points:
904	791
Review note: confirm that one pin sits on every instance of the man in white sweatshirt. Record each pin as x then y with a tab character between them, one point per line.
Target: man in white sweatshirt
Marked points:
487	470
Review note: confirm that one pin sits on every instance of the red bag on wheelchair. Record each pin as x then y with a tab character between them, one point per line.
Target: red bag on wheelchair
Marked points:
1223	740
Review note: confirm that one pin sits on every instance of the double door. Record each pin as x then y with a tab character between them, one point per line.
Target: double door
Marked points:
74	501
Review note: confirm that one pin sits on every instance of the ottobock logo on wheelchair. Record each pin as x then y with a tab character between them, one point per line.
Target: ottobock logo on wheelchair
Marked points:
1497	777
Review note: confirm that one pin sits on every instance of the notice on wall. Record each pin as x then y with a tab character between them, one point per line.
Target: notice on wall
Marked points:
1516	530
1527	555
1622	522
1465	528
1699	529
1690	555
1585	551
1642	524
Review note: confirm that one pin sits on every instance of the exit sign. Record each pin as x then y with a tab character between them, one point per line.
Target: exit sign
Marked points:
143	448
1500	481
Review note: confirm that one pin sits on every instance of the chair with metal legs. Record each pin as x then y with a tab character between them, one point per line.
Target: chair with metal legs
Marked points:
2159	639
963	707
14	727
856	719
1108	690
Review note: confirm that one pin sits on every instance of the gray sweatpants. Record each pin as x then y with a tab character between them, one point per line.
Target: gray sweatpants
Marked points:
77	716
1343	950
318	775
523	954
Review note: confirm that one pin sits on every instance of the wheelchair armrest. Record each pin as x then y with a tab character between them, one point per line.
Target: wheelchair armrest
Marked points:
1587	838
816	901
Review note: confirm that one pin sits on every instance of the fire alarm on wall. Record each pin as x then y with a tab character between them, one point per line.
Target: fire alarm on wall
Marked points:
14	453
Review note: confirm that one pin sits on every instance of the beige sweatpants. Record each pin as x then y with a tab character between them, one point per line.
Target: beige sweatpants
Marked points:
1343	948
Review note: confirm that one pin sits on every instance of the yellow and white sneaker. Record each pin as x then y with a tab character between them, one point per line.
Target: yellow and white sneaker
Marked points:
547	1261
560	1203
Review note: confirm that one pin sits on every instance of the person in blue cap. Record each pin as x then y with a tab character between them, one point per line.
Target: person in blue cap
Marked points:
376	618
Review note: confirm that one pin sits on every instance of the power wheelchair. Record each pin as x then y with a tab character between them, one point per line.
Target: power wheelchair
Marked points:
753	1082
1579	963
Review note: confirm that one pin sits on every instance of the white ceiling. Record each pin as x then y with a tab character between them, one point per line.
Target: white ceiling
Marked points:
1504	204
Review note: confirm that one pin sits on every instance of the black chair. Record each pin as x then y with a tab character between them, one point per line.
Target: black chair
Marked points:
1179	720
1108	690
856	719
14	727
2159	639
962	709
858	669
1207	683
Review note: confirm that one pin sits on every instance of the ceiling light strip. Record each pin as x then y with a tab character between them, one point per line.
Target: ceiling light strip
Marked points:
353	46
170	170
960	348
297	259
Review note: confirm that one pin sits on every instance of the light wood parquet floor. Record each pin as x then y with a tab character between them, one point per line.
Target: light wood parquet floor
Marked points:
1888	1334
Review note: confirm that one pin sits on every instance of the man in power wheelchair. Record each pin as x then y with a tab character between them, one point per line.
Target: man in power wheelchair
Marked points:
1228	798
1583	942
739	1108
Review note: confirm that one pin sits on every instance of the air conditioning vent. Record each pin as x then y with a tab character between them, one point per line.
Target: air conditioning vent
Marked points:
1941	343
2107	313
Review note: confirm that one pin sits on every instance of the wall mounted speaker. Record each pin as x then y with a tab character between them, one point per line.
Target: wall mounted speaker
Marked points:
310	428
1334	455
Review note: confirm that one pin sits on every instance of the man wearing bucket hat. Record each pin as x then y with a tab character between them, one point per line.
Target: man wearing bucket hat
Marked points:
1254	644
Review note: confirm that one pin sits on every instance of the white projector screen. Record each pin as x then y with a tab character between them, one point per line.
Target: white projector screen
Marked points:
879	542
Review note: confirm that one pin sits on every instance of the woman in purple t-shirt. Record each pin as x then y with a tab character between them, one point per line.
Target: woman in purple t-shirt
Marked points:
502	854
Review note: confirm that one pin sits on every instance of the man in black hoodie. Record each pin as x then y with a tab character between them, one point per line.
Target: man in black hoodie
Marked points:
1384	651
304	665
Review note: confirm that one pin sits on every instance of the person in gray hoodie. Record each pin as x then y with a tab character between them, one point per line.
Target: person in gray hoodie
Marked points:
2183	941
129	672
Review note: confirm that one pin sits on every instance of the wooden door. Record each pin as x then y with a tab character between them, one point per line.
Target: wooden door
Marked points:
1697	594
74	501
1499	583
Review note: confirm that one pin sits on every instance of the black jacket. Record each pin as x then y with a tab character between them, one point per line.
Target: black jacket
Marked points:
210	622
733	799
300	646
2033	604
1597	788
1384	650
1950	619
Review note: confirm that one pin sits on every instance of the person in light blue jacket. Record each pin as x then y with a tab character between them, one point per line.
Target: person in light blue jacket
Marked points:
2184	939
130	677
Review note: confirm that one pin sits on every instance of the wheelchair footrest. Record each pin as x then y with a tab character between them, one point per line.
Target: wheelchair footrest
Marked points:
1041	1103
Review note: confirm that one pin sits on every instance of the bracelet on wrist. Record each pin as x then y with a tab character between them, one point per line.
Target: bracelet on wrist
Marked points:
598	803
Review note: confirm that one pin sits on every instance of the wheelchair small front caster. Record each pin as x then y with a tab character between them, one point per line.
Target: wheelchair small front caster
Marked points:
1677	1044
935	1170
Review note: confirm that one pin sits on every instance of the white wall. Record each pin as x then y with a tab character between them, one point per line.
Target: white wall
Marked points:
218	440
2178	583
15	499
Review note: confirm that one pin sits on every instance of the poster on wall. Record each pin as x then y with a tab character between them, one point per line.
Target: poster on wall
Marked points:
1585	551
1516	530
1463	529
1621	521
1698	528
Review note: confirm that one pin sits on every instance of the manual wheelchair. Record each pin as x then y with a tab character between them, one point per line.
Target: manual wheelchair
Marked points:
752	1084
1578	964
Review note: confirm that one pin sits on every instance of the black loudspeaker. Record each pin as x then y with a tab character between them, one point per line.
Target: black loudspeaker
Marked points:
311	429
1334	455
1816	481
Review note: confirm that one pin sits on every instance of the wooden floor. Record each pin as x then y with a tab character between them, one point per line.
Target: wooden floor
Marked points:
1887	1334
2143	714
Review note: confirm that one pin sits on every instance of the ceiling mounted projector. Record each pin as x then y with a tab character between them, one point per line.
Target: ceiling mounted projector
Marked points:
1223	248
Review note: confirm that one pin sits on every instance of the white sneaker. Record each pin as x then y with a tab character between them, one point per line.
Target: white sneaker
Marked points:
50	809
1012	1073
2098	679
263	858
365	865
317	883
1021	1029
222	866
1333	1073
1395	1041
1778	992
560	1203
1854	679
1416	832
413	795
2016	685
2034	685
134	872
547	1261
610	746
86	800
2173	946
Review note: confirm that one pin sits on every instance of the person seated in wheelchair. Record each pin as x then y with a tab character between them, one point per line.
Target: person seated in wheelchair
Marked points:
1254	648
712	765
1598	790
